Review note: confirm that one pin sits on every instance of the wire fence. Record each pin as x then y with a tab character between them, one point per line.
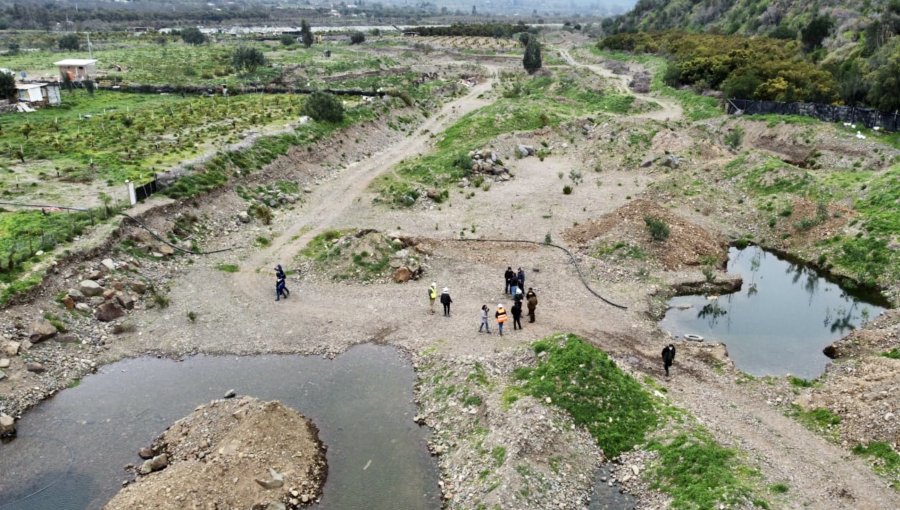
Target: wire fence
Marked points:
830	113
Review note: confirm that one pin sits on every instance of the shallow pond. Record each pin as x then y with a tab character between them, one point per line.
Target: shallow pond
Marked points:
71	449
780	320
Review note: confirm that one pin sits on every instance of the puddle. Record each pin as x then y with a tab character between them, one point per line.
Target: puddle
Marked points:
72	448
780	320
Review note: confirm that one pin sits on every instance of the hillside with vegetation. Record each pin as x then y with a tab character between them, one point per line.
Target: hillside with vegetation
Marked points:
791	51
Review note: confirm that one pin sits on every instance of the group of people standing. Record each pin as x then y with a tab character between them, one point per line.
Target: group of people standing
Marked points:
515	285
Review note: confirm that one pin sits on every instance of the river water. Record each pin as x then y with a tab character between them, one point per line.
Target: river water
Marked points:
72	448
780	320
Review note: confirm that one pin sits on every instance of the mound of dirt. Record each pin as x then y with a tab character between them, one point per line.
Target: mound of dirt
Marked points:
365	255
861	386
687	244
241	453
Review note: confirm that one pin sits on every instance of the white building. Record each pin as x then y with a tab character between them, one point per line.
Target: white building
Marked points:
38	94
77	69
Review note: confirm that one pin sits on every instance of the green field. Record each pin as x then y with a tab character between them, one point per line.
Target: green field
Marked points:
116	136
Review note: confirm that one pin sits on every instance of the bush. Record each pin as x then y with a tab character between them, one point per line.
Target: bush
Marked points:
323	107
306	33
735	138
7	86
658	228
287	39
193	35
69	42
567	190
816	31
532	58
247	59
357	38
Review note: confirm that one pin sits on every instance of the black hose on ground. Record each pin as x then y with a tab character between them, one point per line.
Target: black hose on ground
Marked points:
567	252
160	239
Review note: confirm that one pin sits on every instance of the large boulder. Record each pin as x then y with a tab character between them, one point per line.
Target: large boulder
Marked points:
90	288
109	312
402	274
7	425
11	348
41	330
154	464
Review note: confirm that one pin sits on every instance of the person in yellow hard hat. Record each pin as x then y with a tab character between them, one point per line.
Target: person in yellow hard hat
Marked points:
501	317
432	296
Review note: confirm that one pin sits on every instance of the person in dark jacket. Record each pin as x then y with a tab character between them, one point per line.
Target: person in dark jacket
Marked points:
517	315
668	356
280	284
445	300
509	275
520	279
531	298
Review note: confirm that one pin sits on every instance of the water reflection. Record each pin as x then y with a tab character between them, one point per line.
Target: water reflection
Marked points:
72	448
780	320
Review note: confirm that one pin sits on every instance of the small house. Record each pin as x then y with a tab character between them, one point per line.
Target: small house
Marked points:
77	69
38	94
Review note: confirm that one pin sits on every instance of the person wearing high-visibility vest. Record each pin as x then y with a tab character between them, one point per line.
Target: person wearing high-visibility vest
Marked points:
501	317
432	296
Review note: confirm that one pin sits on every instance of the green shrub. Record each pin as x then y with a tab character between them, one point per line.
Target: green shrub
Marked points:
193	35
247	59
735	137
69	42
658	228
323	107
357	38
228	268
567	190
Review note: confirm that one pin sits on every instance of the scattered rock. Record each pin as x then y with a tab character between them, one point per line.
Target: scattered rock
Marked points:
125	300
138	287
83	307
11	348
276	481
41	330
7	425
230	394
166	249
155	464
69	302
4	362
68	338
109	264
109	312
35	367
402	274
243	217
90	288
76	295
146	453
2	375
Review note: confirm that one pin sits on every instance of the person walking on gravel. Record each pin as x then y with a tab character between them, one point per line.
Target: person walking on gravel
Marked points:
510	276
501	317
445	300
517	314
520	279
280	283
432	296
668	356
531	298
484	320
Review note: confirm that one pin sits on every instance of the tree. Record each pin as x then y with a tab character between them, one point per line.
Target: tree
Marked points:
247	59
69	42
287	39
532	59
306	33
357	38
885	79
193	35
12	48
322	106
7	86
816	31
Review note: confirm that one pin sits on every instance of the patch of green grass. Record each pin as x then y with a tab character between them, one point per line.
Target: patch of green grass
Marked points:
819	420
786	179
499	455
886	460
322	246
20	286
228	268
698	473
56	321
582	380
779	488
262	241
801	383
620	250
478	375
893	353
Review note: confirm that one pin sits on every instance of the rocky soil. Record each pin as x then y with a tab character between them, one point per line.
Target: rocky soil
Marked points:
241	453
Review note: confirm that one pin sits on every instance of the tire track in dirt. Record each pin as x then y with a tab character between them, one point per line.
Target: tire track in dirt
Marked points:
335	199
671	110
